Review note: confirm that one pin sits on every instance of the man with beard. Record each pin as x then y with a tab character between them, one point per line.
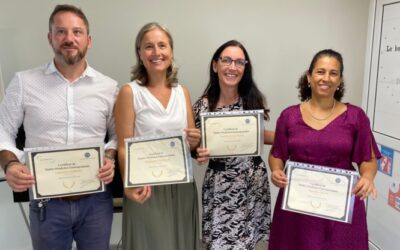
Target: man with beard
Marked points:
65	102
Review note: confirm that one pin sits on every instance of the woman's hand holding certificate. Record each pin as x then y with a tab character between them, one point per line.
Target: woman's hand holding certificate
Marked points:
278	177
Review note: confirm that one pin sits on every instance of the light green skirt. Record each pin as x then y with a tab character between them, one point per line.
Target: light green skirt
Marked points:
168	220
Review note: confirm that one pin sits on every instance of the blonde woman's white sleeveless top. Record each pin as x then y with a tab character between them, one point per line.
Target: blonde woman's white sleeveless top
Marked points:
151	116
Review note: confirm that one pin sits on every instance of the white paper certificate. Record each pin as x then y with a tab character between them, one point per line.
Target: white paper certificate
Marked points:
65	171
319	191
157	161
235	133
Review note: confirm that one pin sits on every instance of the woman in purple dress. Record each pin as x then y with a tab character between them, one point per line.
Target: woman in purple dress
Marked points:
323	131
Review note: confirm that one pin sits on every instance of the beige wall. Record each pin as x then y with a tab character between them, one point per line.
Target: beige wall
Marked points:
1	85
281	37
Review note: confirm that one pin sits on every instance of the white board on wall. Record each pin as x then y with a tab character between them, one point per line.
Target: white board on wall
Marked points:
382	103
386	108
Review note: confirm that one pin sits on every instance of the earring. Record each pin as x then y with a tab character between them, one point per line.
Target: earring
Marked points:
309	85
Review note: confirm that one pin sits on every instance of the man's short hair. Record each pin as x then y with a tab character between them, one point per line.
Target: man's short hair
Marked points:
68	8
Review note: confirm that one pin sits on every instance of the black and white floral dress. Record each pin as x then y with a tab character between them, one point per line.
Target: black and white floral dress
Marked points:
236	197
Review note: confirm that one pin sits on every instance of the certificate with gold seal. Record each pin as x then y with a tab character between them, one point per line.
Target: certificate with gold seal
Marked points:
157	160
65	171
233	133
319	191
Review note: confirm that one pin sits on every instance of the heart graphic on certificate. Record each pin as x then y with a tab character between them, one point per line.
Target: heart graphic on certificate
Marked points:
231	148
68	184
316	204
156	174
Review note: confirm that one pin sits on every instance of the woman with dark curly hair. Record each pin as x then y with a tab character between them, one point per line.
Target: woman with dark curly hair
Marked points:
323	131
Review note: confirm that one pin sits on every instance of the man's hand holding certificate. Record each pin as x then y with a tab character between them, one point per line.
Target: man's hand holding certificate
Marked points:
235	133
65	171
319	191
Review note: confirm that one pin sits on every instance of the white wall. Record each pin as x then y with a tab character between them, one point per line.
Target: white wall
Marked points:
281	37
1	84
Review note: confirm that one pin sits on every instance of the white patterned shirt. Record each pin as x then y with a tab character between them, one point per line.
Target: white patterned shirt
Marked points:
57	112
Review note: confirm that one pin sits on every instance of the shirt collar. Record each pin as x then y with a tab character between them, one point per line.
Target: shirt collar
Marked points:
89	71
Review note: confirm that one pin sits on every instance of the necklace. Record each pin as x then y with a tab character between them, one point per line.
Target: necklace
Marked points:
324	118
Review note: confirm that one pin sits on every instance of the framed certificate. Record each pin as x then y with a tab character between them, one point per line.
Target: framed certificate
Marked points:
233	134
319	191
65	171
157	160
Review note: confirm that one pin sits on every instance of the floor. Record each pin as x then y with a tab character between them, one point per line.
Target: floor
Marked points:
261	246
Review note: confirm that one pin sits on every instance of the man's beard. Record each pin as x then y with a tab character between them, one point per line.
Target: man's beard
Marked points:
68	59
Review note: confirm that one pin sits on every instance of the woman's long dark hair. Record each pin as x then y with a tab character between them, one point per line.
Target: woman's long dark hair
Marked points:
251	96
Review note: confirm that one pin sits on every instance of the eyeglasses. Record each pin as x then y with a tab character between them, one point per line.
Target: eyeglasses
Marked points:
240	63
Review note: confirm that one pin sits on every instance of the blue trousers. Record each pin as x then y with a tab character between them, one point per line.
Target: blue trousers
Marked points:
87	221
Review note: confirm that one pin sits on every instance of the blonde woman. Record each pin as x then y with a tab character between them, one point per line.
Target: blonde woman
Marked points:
159	217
